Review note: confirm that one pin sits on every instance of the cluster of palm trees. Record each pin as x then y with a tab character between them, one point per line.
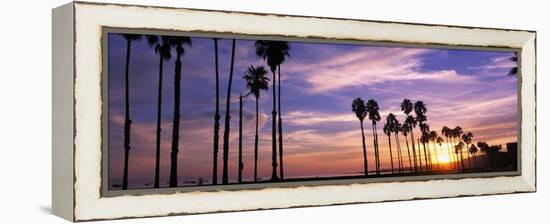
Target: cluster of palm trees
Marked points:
162	46
273	52
420	157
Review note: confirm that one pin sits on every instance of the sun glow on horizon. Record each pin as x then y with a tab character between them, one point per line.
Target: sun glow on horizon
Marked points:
443	158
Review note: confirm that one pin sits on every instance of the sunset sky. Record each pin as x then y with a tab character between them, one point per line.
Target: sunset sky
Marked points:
321	134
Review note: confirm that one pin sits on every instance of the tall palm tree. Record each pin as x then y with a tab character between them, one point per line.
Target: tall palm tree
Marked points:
467	138
405	129
225	179
255	81
360	109
410	122
388	130
396	130
420	111
275	53
439	141
446	131
458	151
374	115
473	150
457	132
419	154
425	138
216	117
484	148
433	137
127	121
163	49
240	164
178	43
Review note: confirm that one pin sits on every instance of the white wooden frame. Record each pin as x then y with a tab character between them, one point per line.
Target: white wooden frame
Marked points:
77	110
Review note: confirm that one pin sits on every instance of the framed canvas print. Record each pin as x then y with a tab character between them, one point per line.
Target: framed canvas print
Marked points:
166	111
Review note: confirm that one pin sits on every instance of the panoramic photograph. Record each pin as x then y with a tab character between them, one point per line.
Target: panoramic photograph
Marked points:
188	111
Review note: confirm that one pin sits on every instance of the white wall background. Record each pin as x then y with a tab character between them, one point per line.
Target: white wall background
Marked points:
25	121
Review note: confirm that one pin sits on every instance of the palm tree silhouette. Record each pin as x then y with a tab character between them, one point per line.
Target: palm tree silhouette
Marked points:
360	109
127	121
425	138
405	129
178	43
225	179
388	130
255	81
457	132
419	154
374	115
162	48
216	117
467	138
433	137
473	150
420	111
410	123
240	164
396	130
446	131
484	148
275	53
439	141
458	151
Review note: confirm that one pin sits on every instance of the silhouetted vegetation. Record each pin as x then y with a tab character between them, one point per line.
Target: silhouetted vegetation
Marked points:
255	82
177	43
162	48
216	117
275	53
427	149
225	177
360	109
127	121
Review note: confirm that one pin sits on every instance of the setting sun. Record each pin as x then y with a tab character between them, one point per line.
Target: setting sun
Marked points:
443	158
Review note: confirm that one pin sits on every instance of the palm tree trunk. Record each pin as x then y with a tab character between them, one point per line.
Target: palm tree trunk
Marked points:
376	156
409	154
365	162
256	145
462	160
399	165
419	155
225	179
281	170
159	111
414	151
377	148
216	118
240	165
127	120
391	154
451	160
425	156
176	125
274	132
469	157
456	155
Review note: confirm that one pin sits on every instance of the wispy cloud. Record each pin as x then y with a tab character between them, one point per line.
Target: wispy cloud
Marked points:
368	68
